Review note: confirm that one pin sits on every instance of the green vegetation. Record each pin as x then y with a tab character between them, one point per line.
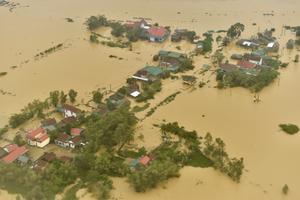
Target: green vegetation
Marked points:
289	128
3	130
95	22
149	90
208	152
50	50
285	189
31	110
19	140
33	185
148	177
54	98
235	30
94	38
238	78
117	29
71	193
118	44
72	95
164	102
207	44
137	109
97	96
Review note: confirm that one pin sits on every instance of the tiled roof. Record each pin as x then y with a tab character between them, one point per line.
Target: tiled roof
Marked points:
11	157
157	31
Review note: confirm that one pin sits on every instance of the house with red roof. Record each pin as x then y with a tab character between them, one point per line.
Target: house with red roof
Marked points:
76	131
144	160
158	33
38	137
246	64
14	152
63	140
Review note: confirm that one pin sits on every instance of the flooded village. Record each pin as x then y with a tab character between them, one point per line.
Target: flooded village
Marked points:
111	101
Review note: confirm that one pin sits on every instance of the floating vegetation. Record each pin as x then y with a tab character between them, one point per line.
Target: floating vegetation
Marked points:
50	50
3	73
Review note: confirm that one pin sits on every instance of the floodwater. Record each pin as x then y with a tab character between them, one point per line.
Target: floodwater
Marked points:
249	130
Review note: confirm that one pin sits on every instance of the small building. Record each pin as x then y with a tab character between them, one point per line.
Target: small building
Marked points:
67	121
144	160
149	74
272	47
70	111
157	34
117	100
76	142
246	64
76	131
255	59
142	24
247	44
63	140
48	157
49	124
13	153
237	57
38	137
189	80
171	60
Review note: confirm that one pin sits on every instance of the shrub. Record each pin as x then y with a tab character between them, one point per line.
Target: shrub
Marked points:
289	128
285	189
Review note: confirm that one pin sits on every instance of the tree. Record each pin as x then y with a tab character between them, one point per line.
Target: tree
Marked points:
235	30
19	140
97	96
285	189
133	34
117	29
63	97
95	22
72	95
54	98
149	177
298	33
217	58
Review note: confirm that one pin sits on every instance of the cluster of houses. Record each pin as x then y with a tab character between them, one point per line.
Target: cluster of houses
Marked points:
151	32
39	137
249	63
263	40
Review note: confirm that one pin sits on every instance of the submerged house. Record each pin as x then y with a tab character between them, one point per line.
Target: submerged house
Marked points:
172	60
189	80
70	111
255	59
142	24
247	44
49	124
38	137
248	67
150	74
157	34
117	100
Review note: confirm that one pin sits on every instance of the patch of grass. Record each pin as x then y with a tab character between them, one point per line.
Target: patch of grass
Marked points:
289	128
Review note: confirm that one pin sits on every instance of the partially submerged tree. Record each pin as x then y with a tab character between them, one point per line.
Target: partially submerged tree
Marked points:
235	30
72	95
